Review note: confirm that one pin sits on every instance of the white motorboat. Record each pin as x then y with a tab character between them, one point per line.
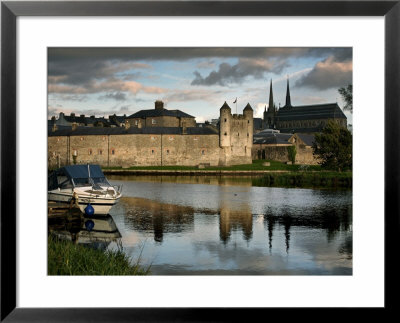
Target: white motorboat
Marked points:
85	183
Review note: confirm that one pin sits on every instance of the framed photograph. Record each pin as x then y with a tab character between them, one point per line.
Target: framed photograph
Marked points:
194	152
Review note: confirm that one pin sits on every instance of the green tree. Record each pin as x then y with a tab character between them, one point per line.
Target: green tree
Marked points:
333	147
292	153
347	96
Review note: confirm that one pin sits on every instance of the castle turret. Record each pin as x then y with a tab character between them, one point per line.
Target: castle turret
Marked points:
225	125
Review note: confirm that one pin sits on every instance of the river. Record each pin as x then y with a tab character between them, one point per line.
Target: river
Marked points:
200	225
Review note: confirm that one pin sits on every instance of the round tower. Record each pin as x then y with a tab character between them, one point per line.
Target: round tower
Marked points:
225	117
248	115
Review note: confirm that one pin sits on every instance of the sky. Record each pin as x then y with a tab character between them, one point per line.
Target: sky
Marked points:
195	80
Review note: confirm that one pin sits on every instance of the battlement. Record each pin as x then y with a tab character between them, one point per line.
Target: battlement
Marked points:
238	116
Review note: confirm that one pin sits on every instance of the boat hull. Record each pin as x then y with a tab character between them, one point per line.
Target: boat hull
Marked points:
101	205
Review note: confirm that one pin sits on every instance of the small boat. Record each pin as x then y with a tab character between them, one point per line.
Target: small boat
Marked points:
83	185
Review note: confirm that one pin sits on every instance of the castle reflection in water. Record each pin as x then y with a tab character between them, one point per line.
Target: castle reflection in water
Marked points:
157	219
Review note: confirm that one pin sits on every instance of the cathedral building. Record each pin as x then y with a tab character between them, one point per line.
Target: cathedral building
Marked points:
301	119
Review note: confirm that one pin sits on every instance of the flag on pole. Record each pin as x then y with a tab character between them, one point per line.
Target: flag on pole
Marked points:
235	100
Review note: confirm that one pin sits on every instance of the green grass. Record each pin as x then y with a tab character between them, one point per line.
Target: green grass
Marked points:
66	258
340	180
256	165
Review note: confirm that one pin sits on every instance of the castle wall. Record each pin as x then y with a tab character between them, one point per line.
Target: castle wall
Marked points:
231	146
57	151
135	150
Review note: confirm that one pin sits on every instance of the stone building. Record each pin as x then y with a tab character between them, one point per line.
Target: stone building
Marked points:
303	119
158	146
84	121
160	117
269	144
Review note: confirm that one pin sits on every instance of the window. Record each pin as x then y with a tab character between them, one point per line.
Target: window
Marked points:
238	134
225	119
247	134
203	152
89	151
152	151
112	151
100	152
136	122
225	134
153	121
167	151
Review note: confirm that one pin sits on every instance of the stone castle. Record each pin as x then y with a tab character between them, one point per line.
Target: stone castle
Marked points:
158	137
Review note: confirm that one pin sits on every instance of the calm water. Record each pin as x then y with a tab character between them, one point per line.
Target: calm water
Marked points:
226	226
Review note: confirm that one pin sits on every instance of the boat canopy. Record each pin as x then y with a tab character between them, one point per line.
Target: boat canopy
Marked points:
76	175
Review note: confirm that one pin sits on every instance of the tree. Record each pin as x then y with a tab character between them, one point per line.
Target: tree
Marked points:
292	153
347	96
333	147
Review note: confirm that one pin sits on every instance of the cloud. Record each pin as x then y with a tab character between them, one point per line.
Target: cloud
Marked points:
215	97
117	96
237	73
206	64
110	85
333	72
259	111
63	54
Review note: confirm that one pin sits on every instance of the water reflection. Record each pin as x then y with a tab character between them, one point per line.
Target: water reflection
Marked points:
97	232
193	229
153	216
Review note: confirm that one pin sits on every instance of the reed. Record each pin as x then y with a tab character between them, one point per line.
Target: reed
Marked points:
66	258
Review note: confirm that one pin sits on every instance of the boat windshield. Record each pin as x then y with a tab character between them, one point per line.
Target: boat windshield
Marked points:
102	181
77	175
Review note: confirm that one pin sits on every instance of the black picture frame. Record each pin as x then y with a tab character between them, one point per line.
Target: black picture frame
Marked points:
10	10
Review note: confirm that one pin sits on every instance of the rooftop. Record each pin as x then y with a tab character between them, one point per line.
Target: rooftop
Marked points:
307	112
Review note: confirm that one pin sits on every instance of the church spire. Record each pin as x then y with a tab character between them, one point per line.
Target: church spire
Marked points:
288	103
271	99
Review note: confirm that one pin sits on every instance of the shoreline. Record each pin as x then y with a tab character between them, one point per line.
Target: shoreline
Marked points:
191	172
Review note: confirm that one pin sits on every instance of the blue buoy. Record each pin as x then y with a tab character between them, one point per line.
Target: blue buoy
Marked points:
89	224
89	210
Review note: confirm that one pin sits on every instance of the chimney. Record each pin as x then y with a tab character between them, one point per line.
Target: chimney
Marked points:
82	115
159	105
72	114
61	115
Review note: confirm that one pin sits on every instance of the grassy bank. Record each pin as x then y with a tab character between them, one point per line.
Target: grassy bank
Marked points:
306	180
66	258
256	165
